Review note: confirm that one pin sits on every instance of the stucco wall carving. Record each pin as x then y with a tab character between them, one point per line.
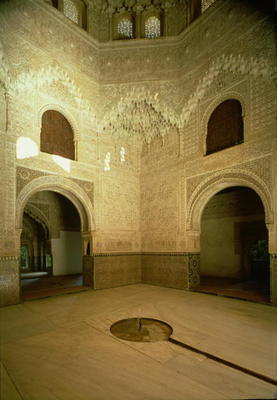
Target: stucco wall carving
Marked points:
218	181
120	205
39	212
26	175
37	181
254	67
159	213
260	168
111	6
150	97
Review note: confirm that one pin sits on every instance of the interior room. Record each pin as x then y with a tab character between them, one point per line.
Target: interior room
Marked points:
138	251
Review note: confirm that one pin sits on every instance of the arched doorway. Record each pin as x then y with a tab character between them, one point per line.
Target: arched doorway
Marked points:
234	256
51	246
77	196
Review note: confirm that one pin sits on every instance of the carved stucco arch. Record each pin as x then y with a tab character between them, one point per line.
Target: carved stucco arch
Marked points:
61	185
228	95
222	180
35	213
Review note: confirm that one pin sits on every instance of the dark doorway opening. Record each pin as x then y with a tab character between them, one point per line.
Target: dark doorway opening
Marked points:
51	247
234	246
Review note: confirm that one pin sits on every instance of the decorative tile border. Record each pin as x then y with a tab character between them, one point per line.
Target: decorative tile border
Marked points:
115	254
165	254
9	258
194	269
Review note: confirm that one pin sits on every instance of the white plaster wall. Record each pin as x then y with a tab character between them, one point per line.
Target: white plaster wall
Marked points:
217	257
67	253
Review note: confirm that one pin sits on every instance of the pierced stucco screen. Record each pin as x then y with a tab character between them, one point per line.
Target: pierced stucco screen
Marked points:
71	11
152	27
125	28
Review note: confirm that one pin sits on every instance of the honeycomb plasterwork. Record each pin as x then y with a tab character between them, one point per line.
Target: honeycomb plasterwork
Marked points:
143	98
45	75
163	113
255	67
112	6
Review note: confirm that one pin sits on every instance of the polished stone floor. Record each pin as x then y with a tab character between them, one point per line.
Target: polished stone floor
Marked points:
252	290
39	287
61	348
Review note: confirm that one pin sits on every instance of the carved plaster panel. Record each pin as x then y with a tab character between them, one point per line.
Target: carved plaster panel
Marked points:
26	175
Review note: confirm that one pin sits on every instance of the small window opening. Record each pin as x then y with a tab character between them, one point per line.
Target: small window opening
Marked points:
152	27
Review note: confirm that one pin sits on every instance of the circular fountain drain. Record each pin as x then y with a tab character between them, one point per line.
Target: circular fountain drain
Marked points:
141	330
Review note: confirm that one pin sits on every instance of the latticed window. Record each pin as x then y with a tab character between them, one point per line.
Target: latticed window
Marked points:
71	11
225	126
75	10
56	135
125	28
206	4
152	27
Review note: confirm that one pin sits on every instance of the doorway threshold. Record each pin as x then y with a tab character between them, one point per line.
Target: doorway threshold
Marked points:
254	298
42	294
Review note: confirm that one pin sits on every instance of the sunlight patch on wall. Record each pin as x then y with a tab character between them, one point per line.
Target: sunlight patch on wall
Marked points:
107	161
62	162
25	148
122	154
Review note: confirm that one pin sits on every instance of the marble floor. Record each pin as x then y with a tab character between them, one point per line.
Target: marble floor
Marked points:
252	290
39	287
61	348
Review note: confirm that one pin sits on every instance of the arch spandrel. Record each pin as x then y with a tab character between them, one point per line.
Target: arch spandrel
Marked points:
219	181
61	185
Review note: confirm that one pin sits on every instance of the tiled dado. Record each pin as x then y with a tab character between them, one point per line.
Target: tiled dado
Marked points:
9	280
175	270
116	269
273	278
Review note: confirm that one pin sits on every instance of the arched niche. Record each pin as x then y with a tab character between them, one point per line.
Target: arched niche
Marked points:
123	26
225	126
64	186
56	135
222	180
75	10
152	24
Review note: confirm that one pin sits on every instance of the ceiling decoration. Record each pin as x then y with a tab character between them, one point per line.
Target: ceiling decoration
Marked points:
140	114
136	6
139	119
